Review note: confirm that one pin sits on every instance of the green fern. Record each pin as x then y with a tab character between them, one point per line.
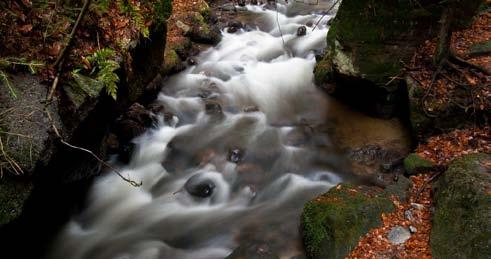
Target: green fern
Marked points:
104	68
133	9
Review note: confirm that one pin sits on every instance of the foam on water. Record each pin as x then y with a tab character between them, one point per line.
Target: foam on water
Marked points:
257	200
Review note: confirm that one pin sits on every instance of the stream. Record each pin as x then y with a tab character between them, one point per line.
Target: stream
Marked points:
230	172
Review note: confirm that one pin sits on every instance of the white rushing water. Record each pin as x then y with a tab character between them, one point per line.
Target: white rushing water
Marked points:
215	181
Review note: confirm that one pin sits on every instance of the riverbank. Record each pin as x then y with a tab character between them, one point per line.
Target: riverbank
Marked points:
448	112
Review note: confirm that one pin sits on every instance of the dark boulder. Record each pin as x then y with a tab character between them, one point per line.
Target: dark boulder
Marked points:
199	186
301	31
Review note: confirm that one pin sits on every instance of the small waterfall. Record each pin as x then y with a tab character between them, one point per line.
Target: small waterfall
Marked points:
234	166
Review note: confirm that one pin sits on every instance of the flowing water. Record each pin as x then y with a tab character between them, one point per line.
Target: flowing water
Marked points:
234	166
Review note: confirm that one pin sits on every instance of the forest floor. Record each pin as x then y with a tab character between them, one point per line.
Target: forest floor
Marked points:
441	149
34	33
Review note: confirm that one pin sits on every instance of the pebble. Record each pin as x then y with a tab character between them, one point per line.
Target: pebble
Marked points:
412	229
398	235
199	187
235	155
408	215
417	206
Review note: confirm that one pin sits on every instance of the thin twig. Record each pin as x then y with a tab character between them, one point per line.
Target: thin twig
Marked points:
325	13
461	61
57	133
52	90
13	164
278	24
72	34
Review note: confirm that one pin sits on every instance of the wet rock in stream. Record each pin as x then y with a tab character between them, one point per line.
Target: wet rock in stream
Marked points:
134	122
301	31
199	186
235	155
213	108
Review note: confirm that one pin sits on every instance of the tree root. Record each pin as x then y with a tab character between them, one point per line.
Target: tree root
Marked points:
462	62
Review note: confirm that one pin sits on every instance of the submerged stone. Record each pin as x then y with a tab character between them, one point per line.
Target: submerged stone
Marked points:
199	187
301	31
235	155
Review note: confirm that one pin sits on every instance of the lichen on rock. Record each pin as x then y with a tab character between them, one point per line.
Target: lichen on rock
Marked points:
414	164
461	221
333	223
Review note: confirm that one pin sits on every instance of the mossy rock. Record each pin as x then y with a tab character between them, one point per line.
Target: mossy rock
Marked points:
13	194
461	221
333	223
322	71
201	31
172	62
481	48
377	35
414	164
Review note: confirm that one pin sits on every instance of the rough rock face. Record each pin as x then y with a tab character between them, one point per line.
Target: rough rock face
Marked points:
367	42
24	127
461	221
333	223
60	183
189	32
25	140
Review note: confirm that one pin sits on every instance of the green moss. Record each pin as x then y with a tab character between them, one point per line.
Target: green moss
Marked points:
480	48
378	35
322	72
163	10
414	164
172	62
334	222
13	194
461	226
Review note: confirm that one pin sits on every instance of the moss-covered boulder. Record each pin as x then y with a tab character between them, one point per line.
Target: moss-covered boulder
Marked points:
201	30
333	223
414	164
461	221
368	44
172	62
369	39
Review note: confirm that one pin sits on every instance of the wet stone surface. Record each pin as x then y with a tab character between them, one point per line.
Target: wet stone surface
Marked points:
199	187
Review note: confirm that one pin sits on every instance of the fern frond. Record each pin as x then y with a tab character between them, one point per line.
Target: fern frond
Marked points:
102	61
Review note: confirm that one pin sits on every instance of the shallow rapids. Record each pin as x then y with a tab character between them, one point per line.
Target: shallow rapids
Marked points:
234	166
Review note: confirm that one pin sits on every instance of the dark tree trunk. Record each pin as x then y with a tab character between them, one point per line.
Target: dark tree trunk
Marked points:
442	51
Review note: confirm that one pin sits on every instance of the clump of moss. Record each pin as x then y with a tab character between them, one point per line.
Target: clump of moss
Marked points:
322	72
461	226
163	10
334	222
414	164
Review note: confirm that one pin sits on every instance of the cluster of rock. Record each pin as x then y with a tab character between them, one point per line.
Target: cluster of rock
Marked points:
368	45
